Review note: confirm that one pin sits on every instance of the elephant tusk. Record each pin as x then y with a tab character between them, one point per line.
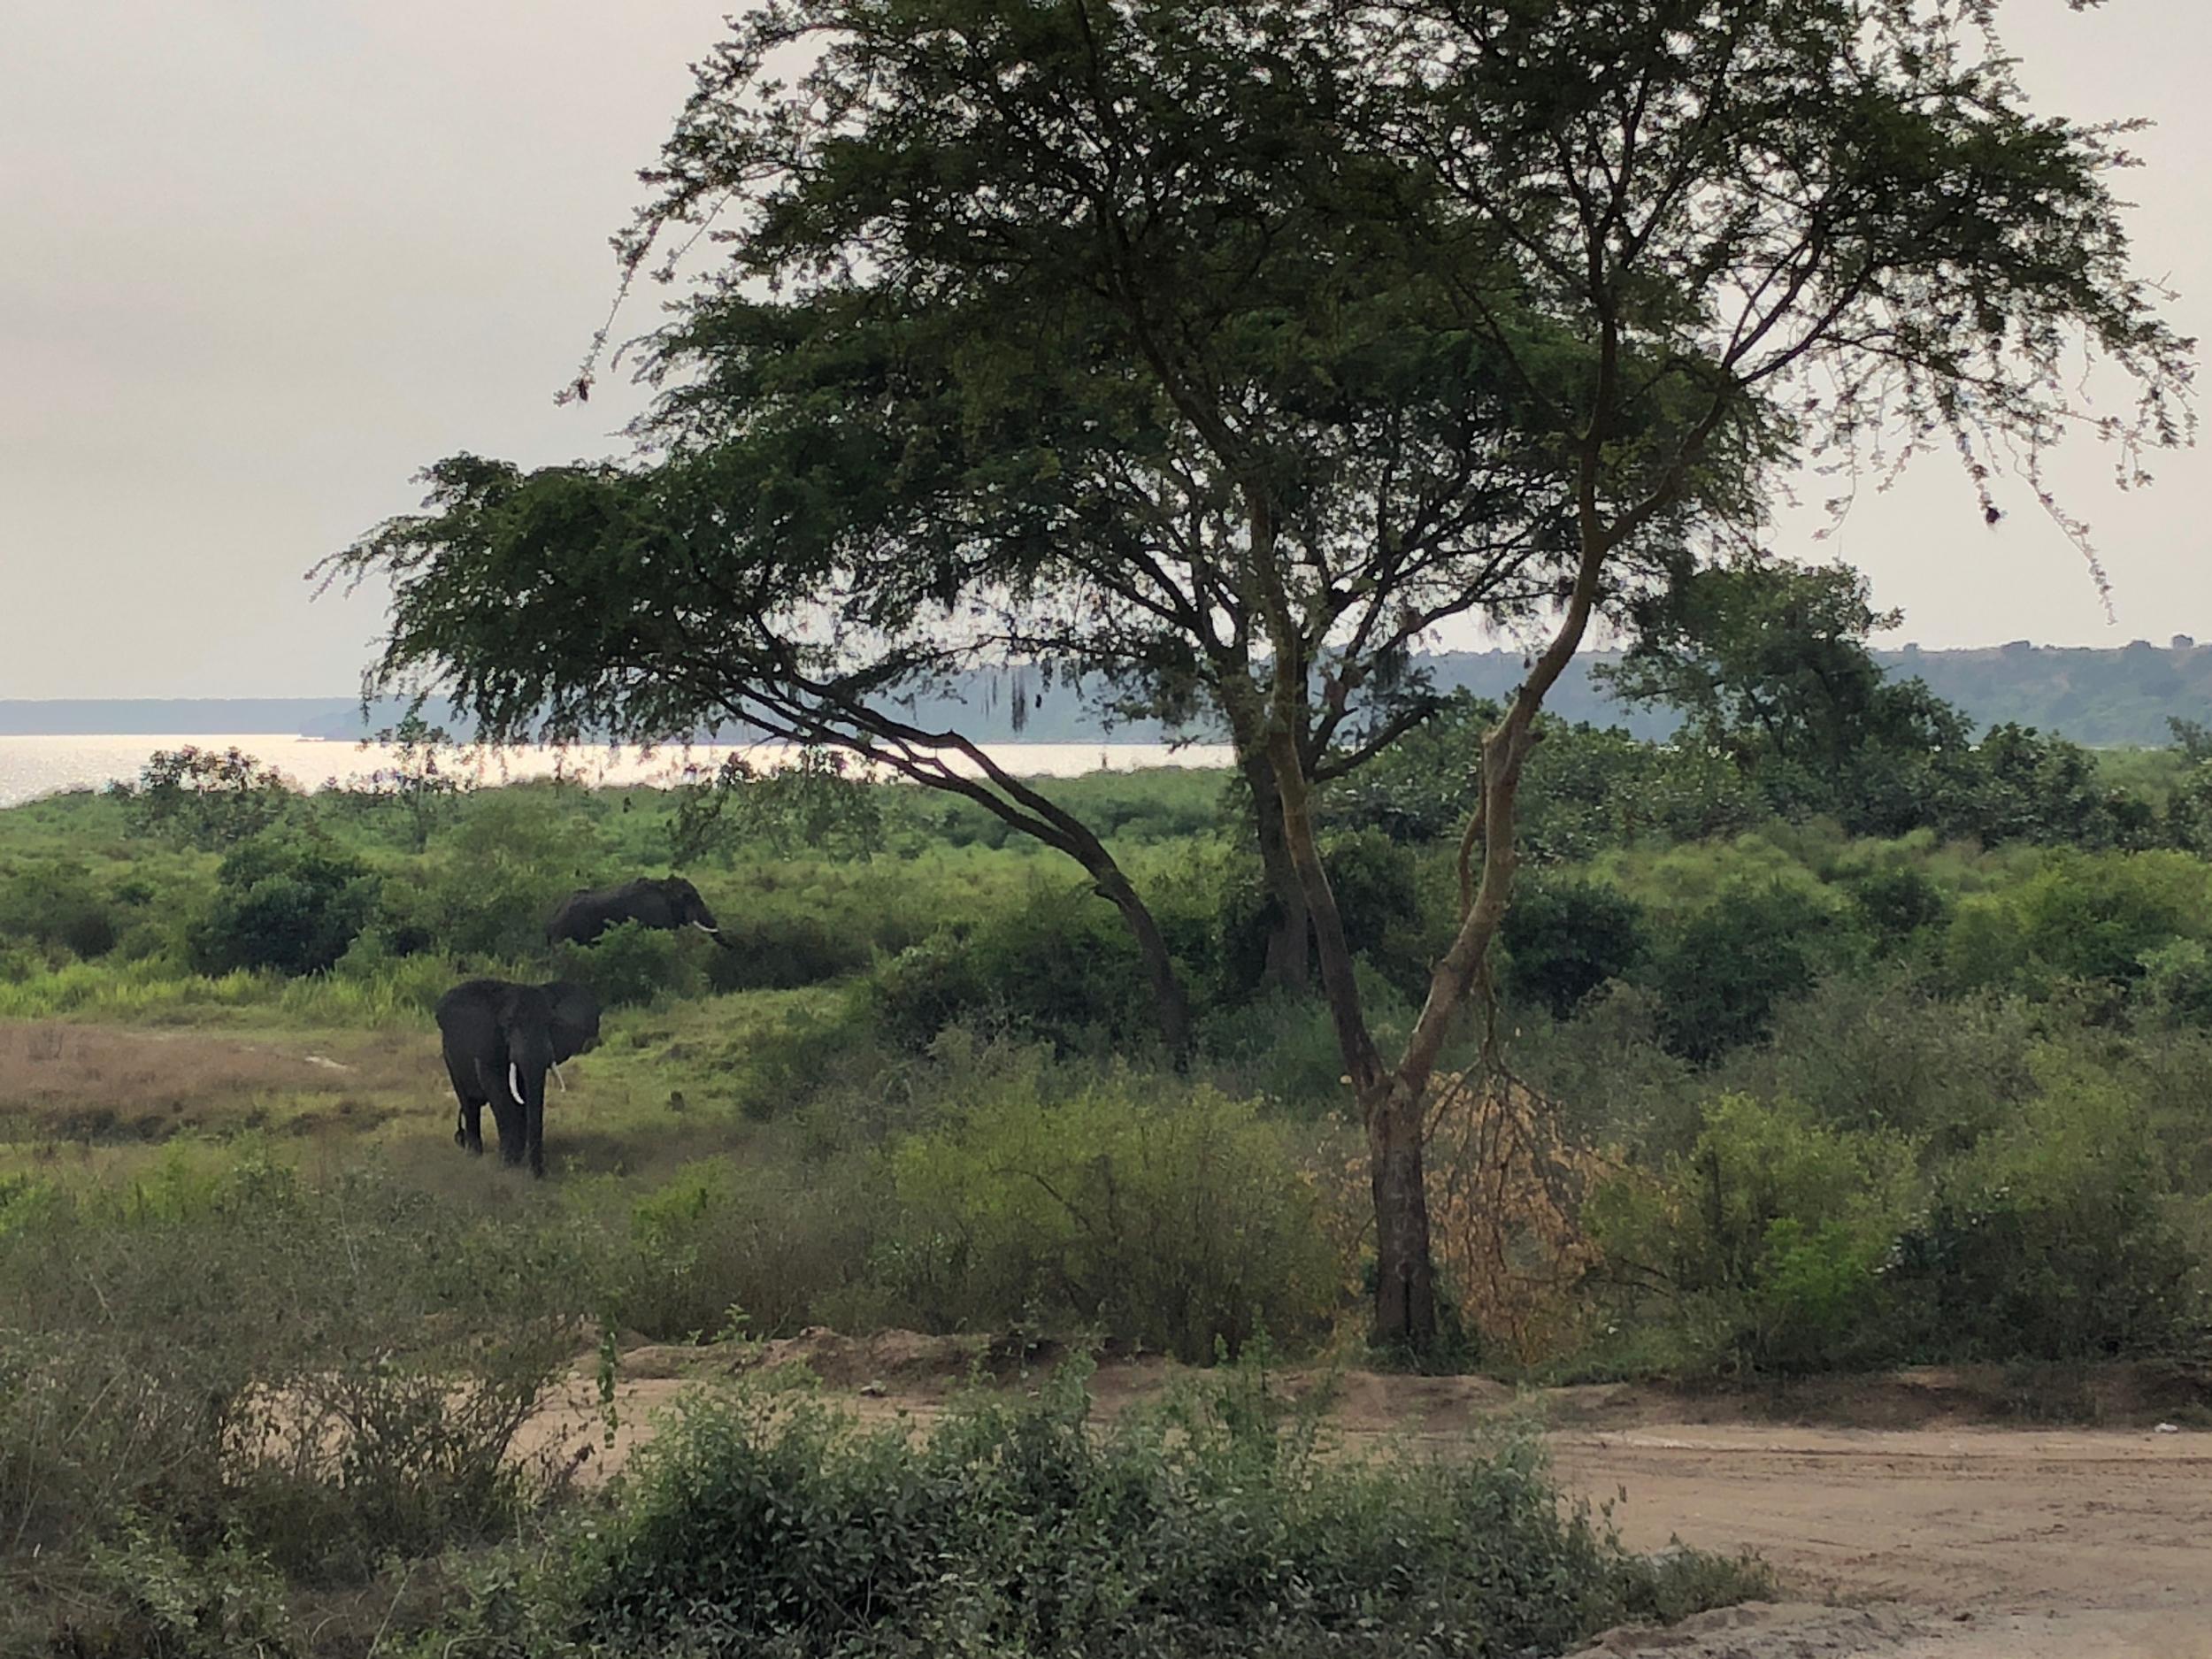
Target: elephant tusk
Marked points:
514	1083
703	928
557	1073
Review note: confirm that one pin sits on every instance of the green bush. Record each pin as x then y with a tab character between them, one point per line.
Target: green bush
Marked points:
783	948
55	902
2090	920
1211	1526
1174	1217
1899	903
1721	974
1059	966
339	1376
1565	938
1880	1052
293	906
196	797
2176	984
2052	1240
485	891
1766	1243
631	964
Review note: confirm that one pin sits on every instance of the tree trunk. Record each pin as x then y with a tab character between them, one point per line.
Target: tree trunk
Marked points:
1405	1278
1405	1287
1290	924
1172	1006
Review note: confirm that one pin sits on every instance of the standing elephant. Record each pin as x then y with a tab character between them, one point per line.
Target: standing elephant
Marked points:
500	1039
668	902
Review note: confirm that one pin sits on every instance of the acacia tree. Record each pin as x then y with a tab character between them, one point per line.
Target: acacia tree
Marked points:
1054	355
1836	218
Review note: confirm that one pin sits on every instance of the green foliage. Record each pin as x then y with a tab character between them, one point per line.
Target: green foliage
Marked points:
2025	785
631	964
340	1374
2192	737
2092	920
56	903
153	1599
1173	1217
1721	973
815	800
1769	664
1586	788
1899	904
283	903
485	891
722	1244
2189	811
1059	966
2176	988
421	783
1770	1235
1213	1525
1565	938
195	797
2052	1239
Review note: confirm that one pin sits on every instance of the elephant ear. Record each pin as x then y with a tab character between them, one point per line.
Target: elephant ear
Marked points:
575	1017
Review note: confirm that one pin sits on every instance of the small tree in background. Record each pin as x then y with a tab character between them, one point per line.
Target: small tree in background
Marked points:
203	798
422	780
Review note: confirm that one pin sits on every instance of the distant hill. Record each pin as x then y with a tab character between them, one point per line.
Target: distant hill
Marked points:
2106	698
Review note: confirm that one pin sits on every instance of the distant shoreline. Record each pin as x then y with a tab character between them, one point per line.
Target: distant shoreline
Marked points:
2105	697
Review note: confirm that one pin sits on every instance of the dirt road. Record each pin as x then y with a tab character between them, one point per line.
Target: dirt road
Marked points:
1944	1539
1973	1543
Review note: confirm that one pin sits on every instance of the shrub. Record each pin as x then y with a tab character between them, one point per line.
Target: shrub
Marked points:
1898	903
2051	1242
340	1375
631	964
485	892
289	905
1767	1241
1880	1052
723	1242
1059	966
1565	938
782	949
56	903
1721	974
2176	988
1211	1526
1176	1218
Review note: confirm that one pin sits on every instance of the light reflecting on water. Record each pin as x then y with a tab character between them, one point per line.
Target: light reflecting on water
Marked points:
34	766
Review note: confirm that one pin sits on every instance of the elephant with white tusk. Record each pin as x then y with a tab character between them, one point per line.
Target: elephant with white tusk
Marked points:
500	1040
667	901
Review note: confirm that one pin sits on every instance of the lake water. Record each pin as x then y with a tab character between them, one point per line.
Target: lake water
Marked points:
34	766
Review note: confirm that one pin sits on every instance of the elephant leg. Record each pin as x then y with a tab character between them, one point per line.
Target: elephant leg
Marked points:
468	1122
537	1118
513	1132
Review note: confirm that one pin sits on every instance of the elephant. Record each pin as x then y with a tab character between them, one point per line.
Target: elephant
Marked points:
668	902
500	1039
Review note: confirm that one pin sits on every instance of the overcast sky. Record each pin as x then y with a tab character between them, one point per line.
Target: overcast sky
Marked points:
260	260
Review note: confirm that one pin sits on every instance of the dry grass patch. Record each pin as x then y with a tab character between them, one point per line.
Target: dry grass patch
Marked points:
62	1081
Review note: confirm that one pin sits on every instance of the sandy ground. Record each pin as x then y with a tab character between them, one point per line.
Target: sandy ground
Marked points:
1944	1539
